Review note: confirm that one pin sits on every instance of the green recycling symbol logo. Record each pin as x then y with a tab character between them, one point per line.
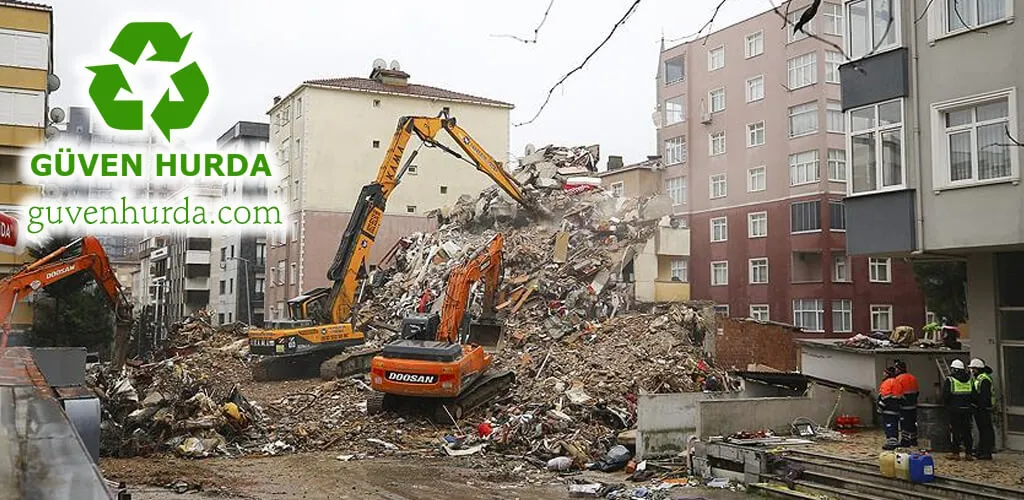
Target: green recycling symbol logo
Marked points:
168	47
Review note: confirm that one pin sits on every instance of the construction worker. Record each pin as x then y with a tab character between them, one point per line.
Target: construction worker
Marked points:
958	394
889	398
908	404
985	402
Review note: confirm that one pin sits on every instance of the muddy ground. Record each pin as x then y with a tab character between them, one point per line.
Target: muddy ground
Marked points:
321	475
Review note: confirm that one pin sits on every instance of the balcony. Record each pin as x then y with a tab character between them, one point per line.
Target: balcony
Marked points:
200	283
197	257
673	241
158	254
671	291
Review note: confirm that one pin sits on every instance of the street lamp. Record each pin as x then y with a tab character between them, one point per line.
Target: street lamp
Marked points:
248	297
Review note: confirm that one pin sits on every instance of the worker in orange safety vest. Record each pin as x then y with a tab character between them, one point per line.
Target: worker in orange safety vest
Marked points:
908	404
889	398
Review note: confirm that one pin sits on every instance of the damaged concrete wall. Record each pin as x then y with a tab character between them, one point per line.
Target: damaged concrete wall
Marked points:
666	421
744	342
723	417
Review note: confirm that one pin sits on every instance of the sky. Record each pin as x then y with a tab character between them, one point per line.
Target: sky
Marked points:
253	50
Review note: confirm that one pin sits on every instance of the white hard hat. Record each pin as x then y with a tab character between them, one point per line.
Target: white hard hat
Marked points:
957	364
976	363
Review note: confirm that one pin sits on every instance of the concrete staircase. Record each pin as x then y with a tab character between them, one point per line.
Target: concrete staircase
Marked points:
829	476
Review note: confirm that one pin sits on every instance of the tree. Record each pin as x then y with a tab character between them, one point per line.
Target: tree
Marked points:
944	285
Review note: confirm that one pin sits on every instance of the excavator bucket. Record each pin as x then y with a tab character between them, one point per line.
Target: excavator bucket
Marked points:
486	333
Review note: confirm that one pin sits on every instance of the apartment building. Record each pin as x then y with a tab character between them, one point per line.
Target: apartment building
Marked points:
752	136
934	144
239	278
330	137
26	61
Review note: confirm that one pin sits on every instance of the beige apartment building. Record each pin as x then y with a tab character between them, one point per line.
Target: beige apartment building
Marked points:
330	137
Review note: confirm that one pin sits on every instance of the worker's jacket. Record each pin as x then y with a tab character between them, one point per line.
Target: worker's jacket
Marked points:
959	392
984	395
889	397
909	389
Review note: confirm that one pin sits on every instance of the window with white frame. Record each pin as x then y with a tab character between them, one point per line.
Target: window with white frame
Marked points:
880	270
803	119
675	187
832	18
719	187
804	168
618	189
720	273
797	35
22	49
675	70
967	14
22	107
881	318
722	310
675	150
755	44
675	110
840	268
717	99
678	270
802	70
294	276
837	216
809	314
716	141
755	134
755	88
874	26
716	58
719	229
832	62
876	147
759	271
759	312
805	216
842	316
974	147
835	122
757	224
837	165
757	179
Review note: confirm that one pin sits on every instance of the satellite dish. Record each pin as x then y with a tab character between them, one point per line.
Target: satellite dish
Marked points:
530	149
395	66
52	82
657	118
380	64
57	115
50	132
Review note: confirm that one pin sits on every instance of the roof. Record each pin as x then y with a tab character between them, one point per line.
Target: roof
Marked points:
245	129
20	3
649	164
412	89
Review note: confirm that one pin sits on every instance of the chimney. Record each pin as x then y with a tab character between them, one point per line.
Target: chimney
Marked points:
393	75
614	162
277	99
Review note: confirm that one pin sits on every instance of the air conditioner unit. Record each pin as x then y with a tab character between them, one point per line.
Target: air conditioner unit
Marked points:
705	118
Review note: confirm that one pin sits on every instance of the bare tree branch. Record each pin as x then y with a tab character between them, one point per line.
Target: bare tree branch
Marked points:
1014	142
786	22
956	9
622	20
702	28
924	12
536	31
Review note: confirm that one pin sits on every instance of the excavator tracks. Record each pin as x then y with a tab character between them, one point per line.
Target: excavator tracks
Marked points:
348	364
324	362
443	411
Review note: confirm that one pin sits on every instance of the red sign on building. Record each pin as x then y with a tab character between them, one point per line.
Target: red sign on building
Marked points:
8	231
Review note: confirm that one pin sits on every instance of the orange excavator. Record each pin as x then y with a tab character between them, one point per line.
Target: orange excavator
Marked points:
441	365
85	254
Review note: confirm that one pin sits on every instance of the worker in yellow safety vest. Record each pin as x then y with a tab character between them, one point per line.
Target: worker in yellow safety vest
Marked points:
984	402
958	394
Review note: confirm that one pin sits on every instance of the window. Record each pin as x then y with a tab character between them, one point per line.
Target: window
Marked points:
376	103
965	14
22	107
755	134
675	150
295	190
24	50
232	251
717	143
298	149
294	273
444	189
837	216
757	224
755	88
834	121
412	170
231	285
674	70
376	144
809	314
881	318
873	26
840	268
261	254
720	273
716	58
974	147
803	70
220	318
230	318
676	189
722	310
755	44
879	270
832	62
759	271
837	165
803	119
832	19
259	285
223	254
759	312
842	316
756	179
286	114
410	209
719	189
618	189
804	168
223	287
797	35
719	229
717	99
675	110
678	270
876	147
298	107
805	216
295	230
